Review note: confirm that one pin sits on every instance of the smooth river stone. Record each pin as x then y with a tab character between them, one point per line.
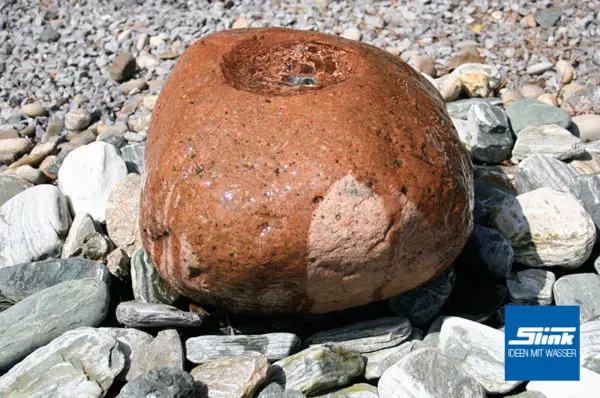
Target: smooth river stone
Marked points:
81	363
423	303
494	251
235	377
543	171
590	345
317	369
547	228
20	281
360	390
139	314
366	336
531	112
531	287
147	284
425	372
33	225
587	190
45	315
582	290
586	387
479	349
274	346
551	140
11	185
379	361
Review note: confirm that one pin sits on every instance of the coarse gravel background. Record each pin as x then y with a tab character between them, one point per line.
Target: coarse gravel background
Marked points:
60	52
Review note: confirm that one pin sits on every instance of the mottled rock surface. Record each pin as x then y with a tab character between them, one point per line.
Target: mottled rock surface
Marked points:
163	382
549	139
148	286
531	287
530	112
543	171
123	214
582	290
140	314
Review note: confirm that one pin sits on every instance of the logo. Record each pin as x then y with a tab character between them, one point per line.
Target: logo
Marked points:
541	343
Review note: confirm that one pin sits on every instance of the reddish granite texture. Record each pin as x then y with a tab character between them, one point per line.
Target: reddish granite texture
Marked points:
292	171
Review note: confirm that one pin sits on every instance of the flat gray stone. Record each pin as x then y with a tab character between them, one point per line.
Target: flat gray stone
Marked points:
360	390
582	290
132	342
366	336
597	265
460	109
274	346
543	171
425	372
23	280
79	363
317	369
531	112
165	351
547	228
495	252
133	155
379	361
423	303
45	315
590	345
547	17
586	387
163	383
550	139
11	185
587	190
531	287
148	286
33	225
479	349
139	314
238	376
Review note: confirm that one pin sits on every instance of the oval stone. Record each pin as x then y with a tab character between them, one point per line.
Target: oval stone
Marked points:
291	171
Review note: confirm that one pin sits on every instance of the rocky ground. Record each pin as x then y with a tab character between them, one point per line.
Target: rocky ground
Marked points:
78	85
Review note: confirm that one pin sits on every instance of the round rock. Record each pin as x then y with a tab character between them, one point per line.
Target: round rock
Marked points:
315	174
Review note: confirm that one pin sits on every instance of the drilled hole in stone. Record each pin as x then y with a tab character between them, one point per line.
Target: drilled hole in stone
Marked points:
291	68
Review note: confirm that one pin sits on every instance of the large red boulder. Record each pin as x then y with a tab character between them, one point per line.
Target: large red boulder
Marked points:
291	171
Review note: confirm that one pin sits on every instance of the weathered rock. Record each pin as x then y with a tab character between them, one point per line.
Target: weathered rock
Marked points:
12	148
460	109
33	225
123	66
45	315
235	377
80	363
148	286
589	164
531	287
479	349
489	196
81	228
11	185
587	190
543	171
590	345
586	387
317	369
225	239
133	86
547	228
492	74
88	175
163	382
582	290
426	372
30	174
133	155
495	252
550	139
119	264
588	127
547	17
274	390
274	346
132	343
531	91
38	153
360	390
366	336
123	214
379	361
34	109
139	314
23	280
423	303
489	139
530	112
78	119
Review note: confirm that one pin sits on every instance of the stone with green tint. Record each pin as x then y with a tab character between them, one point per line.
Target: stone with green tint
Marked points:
317	369
148	286
531	112
379	361
360	390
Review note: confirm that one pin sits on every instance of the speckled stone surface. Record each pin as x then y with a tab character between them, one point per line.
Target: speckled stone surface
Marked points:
284	169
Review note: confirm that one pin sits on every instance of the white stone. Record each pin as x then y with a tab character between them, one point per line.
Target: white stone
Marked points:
587	387
33	225
547	228
88	175
78	119
352	33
